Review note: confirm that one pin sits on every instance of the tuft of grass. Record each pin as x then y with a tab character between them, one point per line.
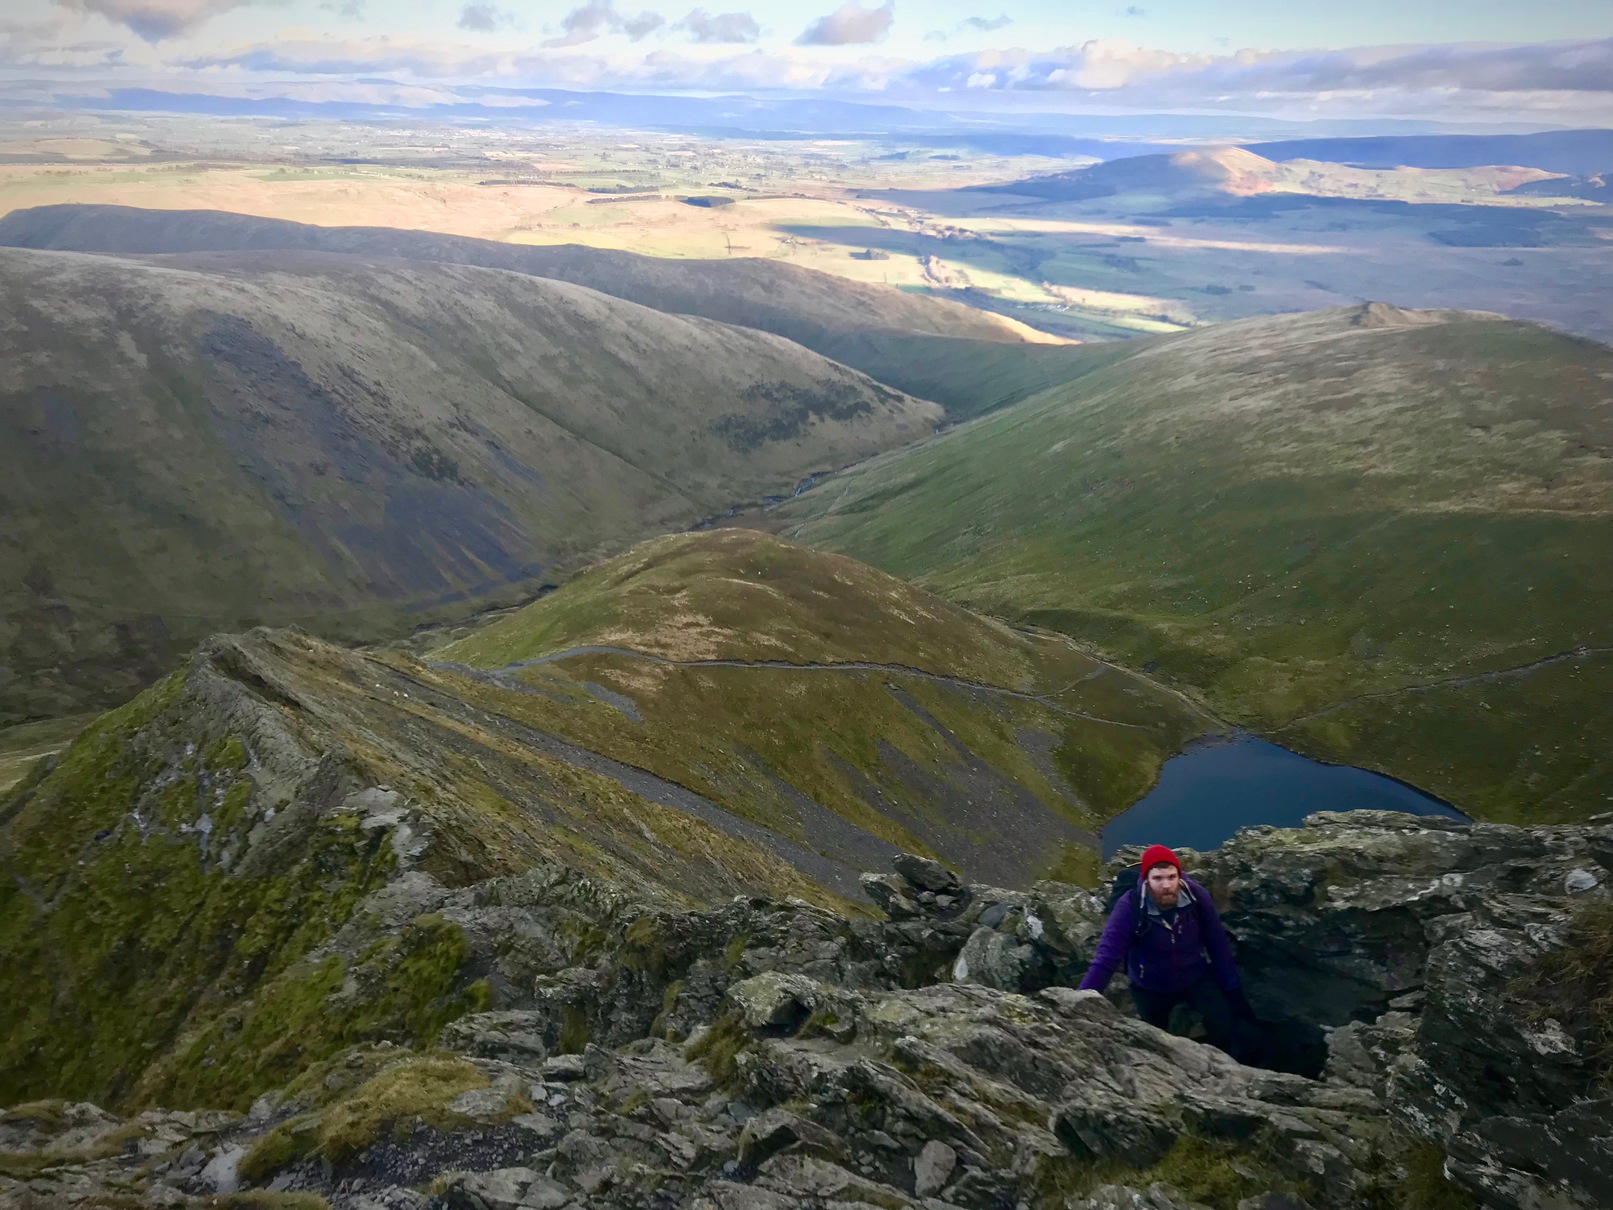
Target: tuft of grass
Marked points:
415	1089
419	1088
227	754
575	1031
46	1113
669	1003
1574	983
1214	1174
277	1149
1425	1186
1218	1174
644	947
1075	864
821	1023
26	1165
267	1200
719	1048
634	1101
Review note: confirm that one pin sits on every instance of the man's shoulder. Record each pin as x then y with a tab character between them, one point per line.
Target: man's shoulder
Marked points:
1125	903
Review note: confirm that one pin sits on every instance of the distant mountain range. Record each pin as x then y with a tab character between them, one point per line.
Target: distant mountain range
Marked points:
1238	172
1569	151
1104	136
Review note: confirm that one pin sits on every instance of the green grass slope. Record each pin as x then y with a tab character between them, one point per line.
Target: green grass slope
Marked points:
181	890
893	336
228	439
832	704
1381	537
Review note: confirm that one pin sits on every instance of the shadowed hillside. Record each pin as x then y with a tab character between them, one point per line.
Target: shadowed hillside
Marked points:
228	439
1379	536
893	336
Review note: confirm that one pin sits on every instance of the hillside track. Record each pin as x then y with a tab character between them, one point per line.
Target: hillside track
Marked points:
504	675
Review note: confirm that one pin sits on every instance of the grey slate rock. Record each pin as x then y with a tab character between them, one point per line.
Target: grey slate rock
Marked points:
933	1168
925	874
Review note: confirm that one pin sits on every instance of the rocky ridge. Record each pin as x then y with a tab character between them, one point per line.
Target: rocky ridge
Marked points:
770	1053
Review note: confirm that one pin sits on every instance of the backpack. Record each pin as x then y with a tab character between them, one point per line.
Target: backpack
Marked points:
1124	884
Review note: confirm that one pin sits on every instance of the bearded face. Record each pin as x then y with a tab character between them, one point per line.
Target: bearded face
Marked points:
1164	885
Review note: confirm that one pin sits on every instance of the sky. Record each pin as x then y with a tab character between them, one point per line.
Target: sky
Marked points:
1548	62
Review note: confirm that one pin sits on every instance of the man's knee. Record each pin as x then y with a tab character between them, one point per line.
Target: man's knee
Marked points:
1154	1007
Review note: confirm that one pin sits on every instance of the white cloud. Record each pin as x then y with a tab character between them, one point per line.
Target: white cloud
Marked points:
1563	84
1571	67
1098	65
598	17
702	26
975	25
47	43
155	20
850	24
481	17
1168	77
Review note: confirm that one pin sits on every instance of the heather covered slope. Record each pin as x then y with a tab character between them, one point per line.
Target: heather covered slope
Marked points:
893	336
838	707
216	441
1378	536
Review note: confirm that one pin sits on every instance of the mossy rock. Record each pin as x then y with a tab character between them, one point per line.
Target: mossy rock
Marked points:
410	1090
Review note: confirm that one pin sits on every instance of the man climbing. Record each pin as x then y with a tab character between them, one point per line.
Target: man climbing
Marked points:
1168	934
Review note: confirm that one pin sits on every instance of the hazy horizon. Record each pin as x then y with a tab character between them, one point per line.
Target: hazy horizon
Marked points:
1480	65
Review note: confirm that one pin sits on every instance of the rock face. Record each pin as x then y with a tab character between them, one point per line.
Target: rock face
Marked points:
772	1054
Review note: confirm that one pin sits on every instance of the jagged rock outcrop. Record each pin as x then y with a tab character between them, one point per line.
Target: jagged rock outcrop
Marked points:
774	1054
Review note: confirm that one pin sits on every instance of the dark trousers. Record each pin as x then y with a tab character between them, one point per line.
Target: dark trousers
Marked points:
1204	998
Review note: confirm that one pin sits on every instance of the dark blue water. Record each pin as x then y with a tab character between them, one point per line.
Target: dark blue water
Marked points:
1210	791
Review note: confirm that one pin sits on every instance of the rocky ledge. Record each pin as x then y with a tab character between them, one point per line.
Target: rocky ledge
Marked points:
1436	997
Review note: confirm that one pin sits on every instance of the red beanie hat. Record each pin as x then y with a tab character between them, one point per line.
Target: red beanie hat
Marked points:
1158	854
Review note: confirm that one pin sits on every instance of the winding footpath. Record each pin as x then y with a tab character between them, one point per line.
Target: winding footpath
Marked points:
503	675
1455	682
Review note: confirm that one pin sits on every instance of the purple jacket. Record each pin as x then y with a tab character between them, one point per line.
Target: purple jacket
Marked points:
1165	958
